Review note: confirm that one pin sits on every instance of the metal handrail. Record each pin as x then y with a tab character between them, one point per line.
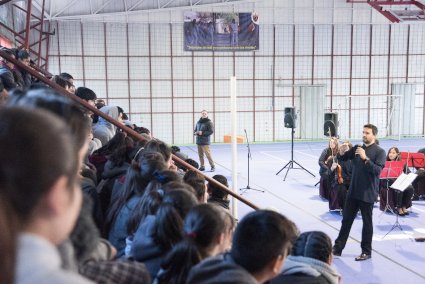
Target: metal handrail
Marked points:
117	124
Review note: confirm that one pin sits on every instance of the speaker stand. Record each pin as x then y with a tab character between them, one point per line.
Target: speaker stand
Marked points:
290	164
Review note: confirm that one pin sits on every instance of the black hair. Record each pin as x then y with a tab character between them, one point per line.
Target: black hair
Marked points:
33	156
373	127
120	156
66	76
168	230
313	244
137	179
198	184
158	181
124	116
22	54
8	51
217	191
59	81
160	147
120	110
50	100
38	85
260	237
1	85
193	163
85	94
175	149
203	224
116	142
397	158
141	130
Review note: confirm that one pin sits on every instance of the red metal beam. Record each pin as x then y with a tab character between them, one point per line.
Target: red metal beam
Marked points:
82	53
28	24
41	31
172	84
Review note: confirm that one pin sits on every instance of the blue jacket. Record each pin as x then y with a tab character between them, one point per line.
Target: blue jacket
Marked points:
118	232
144	248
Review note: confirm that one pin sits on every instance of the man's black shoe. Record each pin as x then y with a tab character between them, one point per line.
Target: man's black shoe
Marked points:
335	252
202	169
363	256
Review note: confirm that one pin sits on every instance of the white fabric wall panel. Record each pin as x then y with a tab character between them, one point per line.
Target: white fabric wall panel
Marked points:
223	67
342	66
117	89
417	39
94	67
140	105
94	39
263	89
244	68
203	88
323	40
160	39
99	87
183	129
408	92
161	105
161	89
161	67
245	88
304	40
182	89
116	40
263	67
342	39
244	104
222	89
117	68
245	122
222	125
138	39
182	68
70	38
361	39
263	125
162	127
284	39
283	68
203	67
203	104
72	65
140	89
139	67
183	105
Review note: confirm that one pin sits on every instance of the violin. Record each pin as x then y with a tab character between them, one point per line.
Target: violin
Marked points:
338	173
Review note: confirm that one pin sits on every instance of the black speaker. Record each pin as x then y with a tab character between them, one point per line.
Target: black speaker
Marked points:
290	117
330	128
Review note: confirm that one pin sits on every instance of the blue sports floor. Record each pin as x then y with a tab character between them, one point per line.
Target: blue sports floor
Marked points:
395	259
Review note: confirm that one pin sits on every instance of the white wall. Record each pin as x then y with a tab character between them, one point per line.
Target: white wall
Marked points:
149	75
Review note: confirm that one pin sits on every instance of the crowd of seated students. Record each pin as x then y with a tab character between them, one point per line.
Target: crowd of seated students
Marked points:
328	163
82	201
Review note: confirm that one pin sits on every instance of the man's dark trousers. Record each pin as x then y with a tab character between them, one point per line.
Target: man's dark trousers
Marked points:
351	208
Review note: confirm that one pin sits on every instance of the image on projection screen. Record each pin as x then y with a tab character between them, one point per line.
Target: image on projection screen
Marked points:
221	31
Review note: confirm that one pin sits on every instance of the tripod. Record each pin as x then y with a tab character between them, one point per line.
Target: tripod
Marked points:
387	206
249	157
397	224
290	164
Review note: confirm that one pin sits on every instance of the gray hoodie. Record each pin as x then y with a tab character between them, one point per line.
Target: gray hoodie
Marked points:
220	269
104	130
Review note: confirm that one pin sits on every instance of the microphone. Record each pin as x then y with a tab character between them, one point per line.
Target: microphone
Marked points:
359	145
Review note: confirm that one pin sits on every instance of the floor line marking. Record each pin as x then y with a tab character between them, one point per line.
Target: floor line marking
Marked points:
418	209
288	161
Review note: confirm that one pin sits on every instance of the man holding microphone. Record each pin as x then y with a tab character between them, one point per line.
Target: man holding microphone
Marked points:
203	130
368	160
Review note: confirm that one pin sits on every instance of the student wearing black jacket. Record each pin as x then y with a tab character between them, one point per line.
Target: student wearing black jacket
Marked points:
367	162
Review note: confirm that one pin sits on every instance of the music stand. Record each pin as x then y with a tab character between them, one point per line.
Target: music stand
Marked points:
391	170
416	160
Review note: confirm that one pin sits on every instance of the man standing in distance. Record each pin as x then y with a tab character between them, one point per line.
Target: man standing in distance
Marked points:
203	130
367	164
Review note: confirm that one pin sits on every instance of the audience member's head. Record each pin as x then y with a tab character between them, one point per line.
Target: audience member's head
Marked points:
346	145
61	82
160	147
88	95
11	54
198	183
262	241
24	57
70	79
208	230
315	245
116	142
217	191
393	154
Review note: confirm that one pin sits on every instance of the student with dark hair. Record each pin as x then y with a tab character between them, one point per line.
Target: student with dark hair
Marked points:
310	261
158	234
147	203
24	58
137	179
142	130
67	77
6	72
89	96
46	208
161	147
208	231
198	183
217	195
61	82
401	199
261	243
104	130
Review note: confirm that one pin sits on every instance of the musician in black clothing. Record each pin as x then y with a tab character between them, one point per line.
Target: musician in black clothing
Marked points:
401	199
421	176
367	164
341	188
